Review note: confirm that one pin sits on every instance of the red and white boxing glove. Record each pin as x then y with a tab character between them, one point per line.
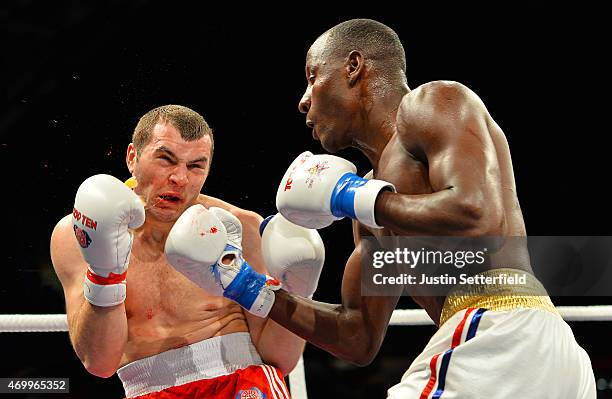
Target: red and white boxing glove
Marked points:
317	190
104	210
293	254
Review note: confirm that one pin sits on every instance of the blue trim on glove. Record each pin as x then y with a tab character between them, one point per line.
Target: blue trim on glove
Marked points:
342	201
264	223
246	286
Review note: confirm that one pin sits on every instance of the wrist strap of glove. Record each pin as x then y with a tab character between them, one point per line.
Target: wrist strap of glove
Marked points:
104	291
355	197
252	290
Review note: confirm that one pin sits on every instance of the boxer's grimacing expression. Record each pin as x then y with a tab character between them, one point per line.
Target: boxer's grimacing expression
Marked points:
170	171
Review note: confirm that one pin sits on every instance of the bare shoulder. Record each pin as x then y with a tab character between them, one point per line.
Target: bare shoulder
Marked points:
62	237
247	218
436	109
66	257
431	100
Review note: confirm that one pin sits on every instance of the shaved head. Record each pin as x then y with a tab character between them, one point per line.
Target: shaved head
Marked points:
376	41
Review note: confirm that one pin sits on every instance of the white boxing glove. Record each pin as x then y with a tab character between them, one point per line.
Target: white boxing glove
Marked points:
194	244
205	245
317	190
241	283
104	210
293	254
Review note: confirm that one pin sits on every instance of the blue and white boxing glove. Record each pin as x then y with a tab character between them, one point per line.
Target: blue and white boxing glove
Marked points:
205	245
317	190
241	283
195	244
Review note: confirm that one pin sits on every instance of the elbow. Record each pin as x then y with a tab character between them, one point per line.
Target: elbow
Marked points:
285	362
361	349
98	369
285	371
103	364
362	355
286	367
478	219
362	359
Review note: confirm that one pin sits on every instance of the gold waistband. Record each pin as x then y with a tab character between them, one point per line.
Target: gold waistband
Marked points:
499	295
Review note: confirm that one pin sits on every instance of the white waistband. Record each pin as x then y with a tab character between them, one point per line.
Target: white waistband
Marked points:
210	358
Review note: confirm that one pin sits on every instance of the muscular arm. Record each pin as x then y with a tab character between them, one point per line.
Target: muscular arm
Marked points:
353	330
444	125
98	334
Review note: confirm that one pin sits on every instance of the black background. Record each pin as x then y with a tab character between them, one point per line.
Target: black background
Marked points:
78	76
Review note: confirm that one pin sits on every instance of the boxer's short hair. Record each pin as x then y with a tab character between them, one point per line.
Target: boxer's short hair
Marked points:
376	40
191	125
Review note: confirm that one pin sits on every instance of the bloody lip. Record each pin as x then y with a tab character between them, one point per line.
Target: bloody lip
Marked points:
168	198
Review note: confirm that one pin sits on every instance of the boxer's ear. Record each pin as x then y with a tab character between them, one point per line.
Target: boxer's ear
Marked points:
130	157
355	66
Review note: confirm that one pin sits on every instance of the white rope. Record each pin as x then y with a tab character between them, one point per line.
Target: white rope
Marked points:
400	317
410	317
33	323
586	313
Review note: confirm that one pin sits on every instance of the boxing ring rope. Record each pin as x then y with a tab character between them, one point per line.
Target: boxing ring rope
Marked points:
400	317
297	380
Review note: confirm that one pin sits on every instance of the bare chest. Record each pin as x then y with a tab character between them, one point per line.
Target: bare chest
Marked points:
152	288
397	166
160	297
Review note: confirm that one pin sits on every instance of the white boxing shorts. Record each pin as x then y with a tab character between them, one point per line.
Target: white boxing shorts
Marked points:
524	352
